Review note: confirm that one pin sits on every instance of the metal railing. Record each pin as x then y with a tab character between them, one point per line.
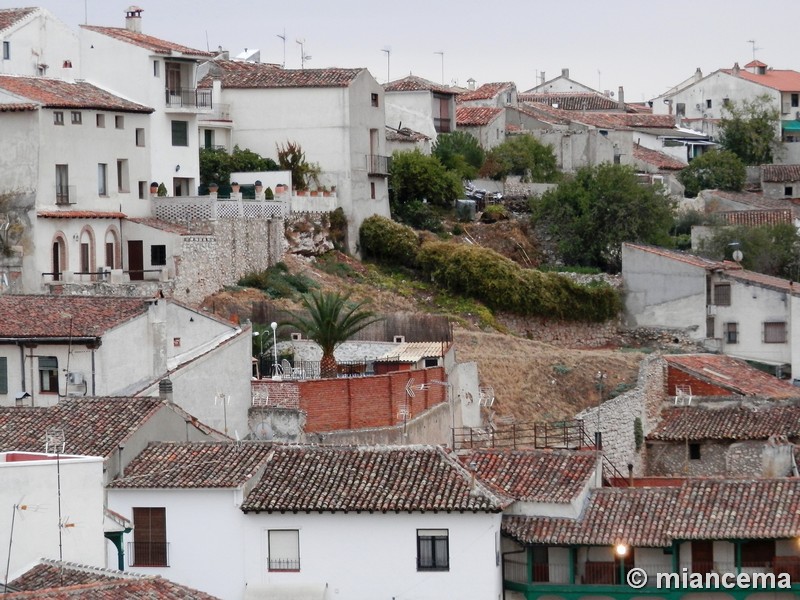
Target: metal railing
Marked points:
378	165
284	564
188	98
148	554
562	434
65	194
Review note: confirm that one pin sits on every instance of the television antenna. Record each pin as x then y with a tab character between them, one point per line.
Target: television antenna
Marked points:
303	56
753	44
283	37
56	440
388	50
441	53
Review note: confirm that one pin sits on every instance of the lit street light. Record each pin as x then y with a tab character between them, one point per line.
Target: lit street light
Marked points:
275	373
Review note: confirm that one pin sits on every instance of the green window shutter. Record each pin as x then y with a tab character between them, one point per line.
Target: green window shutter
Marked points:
3	375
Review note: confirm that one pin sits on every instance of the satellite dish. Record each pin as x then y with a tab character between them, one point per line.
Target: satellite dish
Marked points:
263	431
738	256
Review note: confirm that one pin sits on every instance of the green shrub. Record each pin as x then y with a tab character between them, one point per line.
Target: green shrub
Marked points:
494	213
338	229
418	215
457	229
277	282
387	241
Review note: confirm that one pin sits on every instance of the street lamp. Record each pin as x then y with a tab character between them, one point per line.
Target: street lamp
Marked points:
275	374
621	550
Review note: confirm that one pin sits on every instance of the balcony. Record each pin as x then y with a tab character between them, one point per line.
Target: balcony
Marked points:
180	209
148	554
188	98
65	195
378	165
442	124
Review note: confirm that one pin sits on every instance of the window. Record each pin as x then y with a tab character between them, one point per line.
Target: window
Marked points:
102	179
374	99
726	102
758	553
158	255
58	117
76	117
85	267
62	184
680	109
710	326
775	332
208	138
110	255
180	133
140	136
731	333
119	122
795	100
787	191
149	538
123	180
156	69
431	362
441	113
6	50
101	120
284	549
48	374
372	190
3	375
143	188
433	553
694	451
708	103
722	294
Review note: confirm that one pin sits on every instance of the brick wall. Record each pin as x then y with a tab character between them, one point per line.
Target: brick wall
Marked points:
358	402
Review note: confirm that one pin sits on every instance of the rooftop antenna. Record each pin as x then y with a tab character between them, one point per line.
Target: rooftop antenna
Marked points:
85	12
753	44
283	37
441	53
55	440
388	50
303	56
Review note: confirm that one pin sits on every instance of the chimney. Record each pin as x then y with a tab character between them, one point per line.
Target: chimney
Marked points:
736	69
133	19
165	389
621	98
565	73
543	79
471	83
698	74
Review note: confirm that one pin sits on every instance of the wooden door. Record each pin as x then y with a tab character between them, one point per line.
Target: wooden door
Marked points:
135	260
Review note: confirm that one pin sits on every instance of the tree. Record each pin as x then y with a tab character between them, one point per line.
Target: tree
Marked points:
601	207
524	156
769	249
716	169
415	176
216	165
331	319
751	130
460	152
292	158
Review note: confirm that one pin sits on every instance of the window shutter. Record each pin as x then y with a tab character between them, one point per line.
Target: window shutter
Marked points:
3	375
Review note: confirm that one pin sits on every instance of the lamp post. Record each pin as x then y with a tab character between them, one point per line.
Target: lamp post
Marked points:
621	551
275	374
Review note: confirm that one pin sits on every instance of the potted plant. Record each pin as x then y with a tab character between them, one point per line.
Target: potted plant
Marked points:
235	187
213	188
259	187
268	195
153	188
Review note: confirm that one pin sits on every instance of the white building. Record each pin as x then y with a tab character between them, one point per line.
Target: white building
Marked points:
420	105
34	43
53	508
52	347
156	73
298	519
485	123
336	116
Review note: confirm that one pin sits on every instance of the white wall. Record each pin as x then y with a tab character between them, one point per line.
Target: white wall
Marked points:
41	39
368	556
34	483
413	110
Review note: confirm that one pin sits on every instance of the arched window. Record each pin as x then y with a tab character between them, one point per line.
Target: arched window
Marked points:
111	257
88	261
58	257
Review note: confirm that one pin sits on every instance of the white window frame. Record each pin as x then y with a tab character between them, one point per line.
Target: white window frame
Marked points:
283	549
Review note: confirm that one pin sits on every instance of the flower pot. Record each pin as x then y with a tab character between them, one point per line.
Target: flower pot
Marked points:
315	193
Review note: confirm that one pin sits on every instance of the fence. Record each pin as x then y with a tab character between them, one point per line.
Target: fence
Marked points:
563	434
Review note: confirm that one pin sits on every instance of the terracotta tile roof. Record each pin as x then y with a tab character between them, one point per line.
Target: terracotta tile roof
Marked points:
476	116
40	316
80	214
412	352
759	279
195	465
691	259
754	509
635	516
780	173
370	478
486	92
755	63
660	160
746	198
154	44
778	79
534	475
697	423
92	426
701	509
11	16
572	100
607	120
732	374
57	93
757	218
236	74
412	83
18	107
405	135
54	580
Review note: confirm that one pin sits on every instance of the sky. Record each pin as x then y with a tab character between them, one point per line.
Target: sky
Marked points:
646	47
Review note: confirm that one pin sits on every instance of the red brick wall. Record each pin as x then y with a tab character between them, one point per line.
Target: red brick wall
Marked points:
699	388
359	402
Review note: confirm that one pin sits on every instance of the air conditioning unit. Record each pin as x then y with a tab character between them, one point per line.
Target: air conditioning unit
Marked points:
75	378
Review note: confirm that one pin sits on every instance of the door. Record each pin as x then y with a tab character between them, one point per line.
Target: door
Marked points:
135	260
57	260
702	556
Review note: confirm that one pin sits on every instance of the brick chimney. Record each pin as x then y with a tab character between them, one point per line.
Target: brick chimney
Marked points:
133	19
621	98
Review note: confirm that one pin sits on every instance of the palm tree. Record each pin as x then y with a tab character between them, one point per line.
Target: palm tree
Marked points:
330	320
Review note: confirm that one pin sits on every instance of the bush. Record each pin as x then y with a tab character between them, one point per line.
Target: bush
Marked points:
338	229
416	176
494	213
384	240
418	215
715	169
277	282
502	284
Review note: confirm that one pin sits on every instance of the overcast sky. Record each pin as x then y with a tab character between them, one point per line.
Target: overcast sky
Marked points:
644	46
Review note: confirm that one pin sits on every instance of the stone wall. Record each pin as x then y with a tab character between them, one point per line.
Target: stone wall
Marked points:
615	418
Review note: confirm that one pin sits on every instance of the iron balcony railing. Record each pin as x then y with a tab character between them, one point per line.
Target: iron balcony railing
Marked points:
378	165
65	194
188	98
284	564
148	554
